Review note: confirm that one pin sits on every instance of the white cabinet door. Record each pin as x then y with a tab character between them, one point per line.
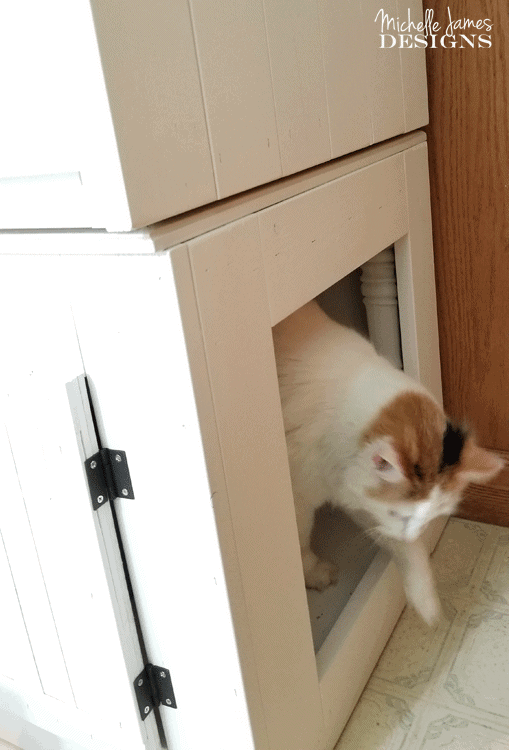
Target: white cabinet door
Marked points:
69	669
121	115
68	647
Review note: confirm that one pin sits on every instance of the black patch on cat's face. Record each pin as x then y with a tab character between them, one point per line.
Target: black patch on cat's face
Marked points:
452	445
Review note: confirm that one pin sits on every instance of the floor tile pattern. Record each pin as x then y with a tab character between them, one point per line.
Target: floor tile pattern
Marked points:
446	687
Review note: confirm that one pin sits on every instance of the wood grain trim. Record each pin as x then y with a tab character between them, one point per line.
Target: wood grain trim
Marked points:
469	156
488	503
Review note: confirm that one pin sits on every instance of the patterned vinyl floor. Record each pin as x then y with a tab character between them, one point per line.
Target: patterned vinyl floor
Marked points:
447	687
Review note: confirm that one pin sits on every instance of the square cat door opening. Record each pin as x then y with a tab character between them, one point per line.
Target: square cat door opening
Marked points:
365	300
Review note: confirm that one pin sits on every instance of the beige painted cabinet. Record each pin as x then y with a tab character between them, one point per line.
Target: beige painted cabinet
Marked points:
173	330
122	115
161	108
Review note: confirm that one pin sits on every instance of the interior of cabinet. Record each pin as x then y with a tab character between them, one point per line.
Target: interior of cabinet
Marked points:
335	536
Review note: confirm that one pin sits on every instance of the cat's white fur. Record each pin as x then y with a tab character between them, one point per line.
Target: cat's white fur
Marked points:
332	386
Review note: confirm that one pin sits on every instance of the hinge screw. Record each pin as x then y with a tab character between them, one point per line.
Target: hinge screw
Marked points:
125	492
140	683
93	464
162	674
100	498
168	701
118	457
147	709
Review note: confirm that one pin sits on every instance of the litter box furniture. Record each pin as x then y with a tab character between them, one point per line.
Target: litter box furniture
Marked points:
172	327
137	334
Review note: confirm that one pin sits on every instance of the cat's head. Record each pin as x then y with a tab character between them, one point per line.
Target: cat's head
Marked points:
413	465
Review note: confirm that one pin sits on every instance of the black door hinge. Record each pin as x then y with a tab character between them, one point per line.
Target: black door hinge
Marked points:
108	476
153	688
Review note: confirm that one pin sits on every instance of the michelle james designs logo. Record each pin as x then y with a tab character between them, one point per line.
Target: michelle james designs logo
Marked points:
457	33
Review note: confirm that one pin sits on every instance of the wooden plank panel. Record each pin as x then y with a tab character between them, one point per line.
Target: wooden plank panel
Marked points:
191	328
232	303
469	154
316	238
343	41
141	384
122	651
232	52
415	276
16	659
26	567
59	514
293	36
413	71
385	78
153	86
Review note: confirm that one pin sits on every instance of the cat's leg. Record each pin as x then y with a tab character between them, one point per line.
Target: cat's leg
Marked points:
413	562
318	574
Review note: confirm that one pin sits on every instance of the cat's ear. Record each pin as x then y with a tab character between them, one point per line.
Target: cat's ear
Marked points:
385	461
479	465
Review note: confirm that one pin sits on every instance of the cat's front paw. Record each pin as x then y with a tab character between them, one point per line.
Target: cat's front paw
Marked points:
425	601
321	575
430	609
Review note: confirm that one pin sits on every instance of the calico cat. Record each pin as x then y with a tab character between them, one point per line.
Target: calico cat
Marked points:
366	437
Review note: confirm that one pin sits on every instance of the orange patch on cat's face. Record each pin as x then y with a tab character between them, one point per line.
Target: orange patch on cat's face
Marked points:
416	425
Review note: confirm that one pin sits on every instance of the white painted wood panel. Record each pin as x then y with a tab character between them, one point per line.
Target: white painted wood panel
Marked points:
182	228
205	407
49	529
316	238
231	46
234	315
38	124
347	70
61	169
24	561
16	661
373	93
385	75
153	86
413	71
415	272
142	390
161	108
125	114
293	37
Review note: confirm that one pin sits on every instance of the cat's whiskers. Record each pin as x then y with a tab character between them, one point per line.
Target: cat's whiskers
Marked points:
372	533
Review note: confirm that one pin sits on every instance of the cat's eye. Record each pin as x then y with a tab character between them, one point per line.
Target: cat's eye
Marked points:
418	471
